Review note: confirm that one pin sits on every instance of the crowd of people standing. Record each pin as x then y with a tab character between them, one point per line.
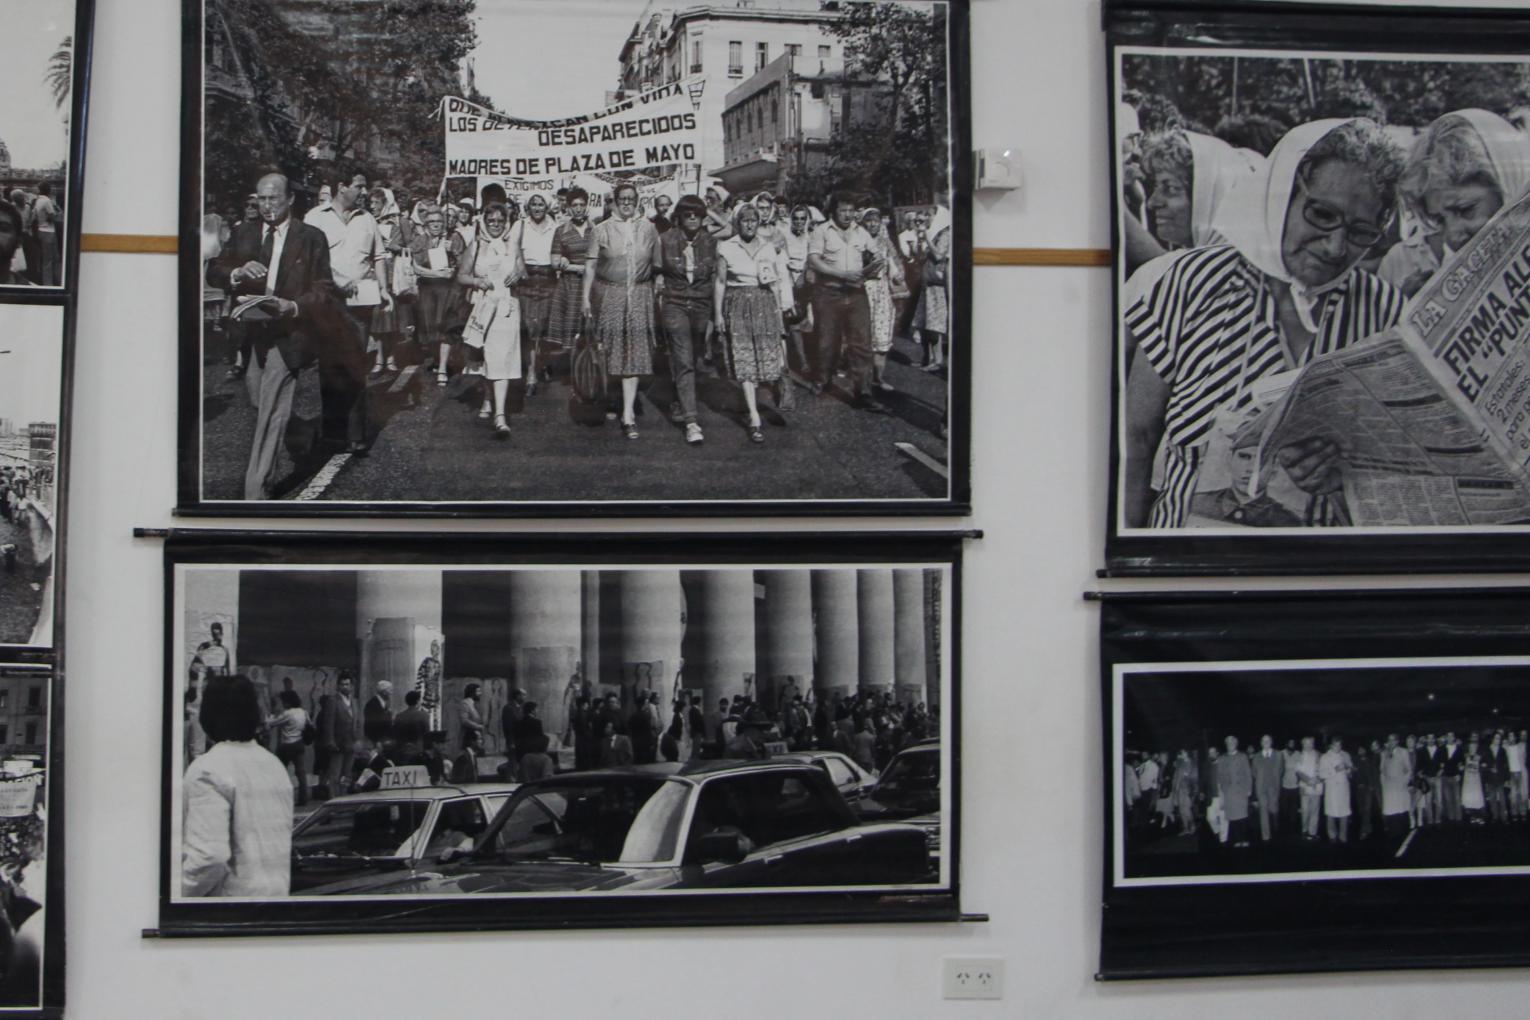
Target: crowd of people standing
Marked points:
34	256
489	295
1386	787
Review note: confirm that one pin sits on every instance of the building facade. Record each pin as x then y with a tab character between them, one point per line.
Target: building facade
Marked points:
23	713
727	43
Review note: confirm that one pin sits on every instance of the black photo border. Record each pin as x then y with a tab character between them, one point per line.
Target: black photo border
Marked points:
466	913
190	502
1303	27
1337	924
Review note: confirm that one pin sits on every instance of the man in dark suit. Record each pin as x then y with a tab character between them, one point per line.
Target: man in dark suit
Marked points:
376	716
288	262
1452	766
1268	766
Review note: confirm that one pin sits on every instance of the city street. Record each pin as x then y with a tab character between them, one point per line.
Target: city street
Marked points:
431	446
20	586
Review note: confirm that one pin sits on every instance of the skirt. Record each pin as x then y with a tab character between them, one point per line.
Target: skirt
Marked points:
932	313
438	308
564	318
536	296
502	345
753	320
624	324
879	296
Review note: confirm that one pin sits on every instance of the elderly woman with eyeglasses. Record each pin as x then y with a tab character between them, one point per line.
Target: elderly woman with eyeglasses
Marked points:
618	296
1285	288
436	253
752	291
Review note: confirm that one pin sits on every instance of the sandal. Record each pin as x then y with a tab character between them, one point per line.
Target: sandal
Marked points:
630	429
484	414
501	427
440	378
755	435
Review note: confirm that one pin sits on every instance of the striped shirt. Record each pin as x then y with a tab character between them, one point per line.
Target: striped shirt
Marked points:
1210	328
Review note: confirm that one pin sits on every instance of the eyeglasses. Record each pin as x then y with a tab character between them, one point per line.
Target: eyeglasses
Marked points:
1326	218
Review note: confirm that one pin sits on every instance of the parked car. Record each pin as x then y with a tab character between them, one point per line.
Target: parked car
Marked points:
850	779
909	791
703	825
390	829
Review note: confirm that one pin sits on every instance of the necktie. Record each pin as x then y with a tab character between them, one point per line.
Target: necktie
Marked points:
267	245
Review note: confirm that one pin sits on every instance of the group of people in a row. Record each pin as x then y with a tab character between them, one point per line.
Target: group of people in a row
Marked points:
499	293
31	225
1388	786
1242	263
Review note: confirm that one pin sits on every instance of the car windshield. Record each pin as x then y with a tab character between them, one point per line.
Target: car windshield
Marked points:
912	773
611	820
371	829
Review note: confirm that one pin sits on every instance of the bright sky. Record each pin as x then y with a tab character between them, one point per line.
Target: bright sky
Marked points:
564	67
30	125
30	372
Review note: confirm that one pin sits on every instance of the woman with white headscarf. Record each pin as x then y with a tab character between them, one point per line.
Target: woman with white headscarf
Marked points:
387	321
1284	289
1465	167
1190	174
933	317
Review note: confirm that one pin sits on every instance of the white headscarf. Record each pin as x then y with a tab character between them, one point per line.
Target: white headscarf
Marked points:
1252	216
1507	148
1217	166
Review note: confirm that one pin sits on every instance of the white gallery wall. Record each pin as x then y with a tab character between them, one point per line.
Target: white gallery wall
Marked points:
1030	741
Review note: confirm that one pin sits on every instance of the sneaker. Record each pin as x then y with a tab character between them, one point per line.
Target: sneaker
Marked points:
693	434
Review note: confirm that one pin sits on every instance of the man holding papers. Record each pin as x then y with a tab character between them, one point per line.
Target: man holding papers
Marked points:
282	267
356	249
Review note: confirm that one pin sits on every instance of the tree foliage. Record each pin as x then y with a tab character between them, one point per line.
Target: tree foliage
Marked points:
363	99
1200	91
893	147
60	74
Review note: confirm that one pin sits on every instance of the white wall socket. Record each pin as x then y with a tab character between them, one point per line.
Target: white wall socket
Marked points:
973	977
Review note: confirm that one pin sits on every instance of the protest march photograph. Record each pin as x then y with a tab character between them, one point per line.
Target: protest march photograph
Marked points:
481	730
31	397
573	256
1314	769
1323	292
25	721
37	80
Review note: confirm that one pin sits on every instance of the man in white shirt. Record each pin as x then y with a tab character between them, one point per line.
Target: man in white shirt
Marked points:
1514	748
356	249
534	236
46	216
1311	787
914	246
840	256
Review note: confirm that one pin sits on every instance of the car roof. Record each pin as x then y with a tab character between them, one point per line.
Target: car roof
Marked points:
680	770
423	793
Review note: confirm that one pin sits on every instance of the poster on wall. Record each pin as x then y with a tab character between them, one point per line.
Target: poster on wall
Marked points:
31	861
611	258
1267	799
430	734
1321	337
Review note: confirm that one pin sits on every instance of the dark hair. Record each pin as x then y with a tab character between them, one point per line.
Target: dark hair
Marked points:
290	699
12	213
627	186
45	188
577	195
471	689
688	203
412	698
230	709
838	199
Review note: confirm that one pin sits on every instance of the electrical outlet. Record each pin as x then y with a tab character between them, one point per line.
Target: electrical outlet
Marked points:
974	977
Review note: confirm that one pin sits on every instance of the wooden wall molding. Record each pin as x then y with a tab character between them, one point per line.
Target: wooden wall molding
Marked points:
165	244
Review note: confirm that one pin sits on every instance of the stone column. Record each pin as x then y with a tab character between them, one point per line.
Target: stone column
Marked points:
908	650
836	629
650	609
722	620
589	659
874	609
546	615
785	642
390	606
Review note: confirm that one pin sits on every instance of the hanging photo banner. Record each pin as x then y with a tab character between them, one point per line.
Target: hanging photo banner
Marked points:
652	129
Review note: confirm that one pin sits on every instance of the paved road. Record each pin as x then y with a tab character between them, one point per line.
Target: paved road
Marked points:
20	588
430	446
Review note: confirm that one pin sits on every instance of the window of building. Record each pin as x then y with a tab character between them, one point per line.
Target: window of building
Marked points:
761	55
736	59
5	700
696	56
34	697
775	108
823	54
31	733
794	50
5	733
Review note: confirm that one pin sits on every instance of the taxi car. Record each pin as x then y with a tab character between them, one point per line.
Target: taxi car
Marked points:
703	825
387	829
908	790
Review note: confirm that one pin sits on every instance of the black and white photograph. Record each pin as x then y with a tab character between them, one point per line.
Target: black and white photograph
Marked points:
348	734
31	372
1320	282
503	257
25	705
1304	771
37	80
